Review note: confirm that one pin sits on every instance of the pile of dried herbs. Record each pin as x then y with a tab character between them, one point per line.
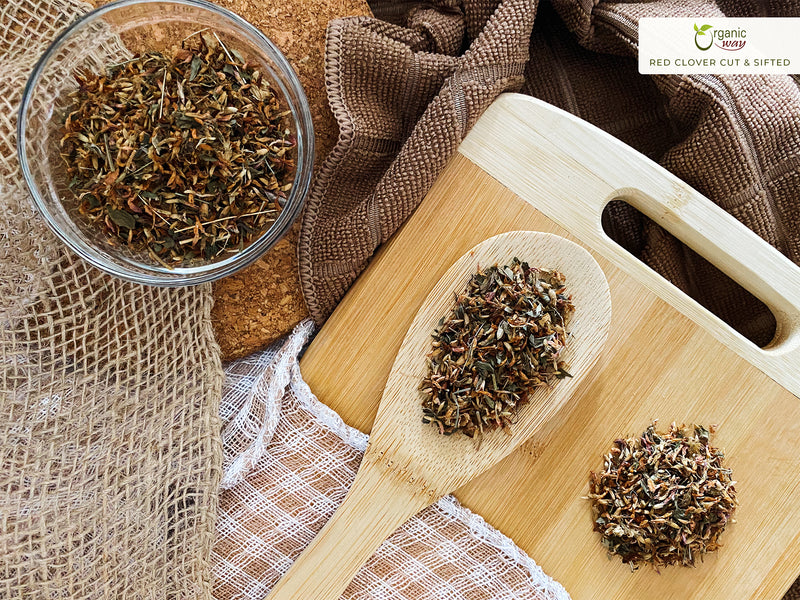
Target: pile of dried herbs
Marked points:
188	156
504	338
663	498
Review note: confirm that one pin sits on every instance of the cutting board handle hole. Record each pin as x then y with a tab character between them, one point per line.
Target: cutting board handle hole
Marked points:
711	288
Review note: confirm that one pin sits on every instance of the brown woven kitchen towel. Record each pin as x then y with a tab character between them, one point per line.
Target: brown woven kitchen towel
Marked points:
110	456
794	592
404	102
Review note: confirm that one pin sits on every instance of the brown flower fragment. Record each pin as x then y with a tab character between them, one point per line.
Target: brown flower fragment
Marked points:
663	499
504	338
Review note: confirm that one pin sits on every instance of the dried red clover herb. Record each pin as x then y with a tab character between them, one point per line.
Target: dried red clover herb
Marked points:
663	498
184	156
504	338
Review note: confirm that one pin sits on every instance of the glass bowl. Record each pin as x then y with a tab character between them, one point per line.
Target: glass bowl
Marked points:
108	36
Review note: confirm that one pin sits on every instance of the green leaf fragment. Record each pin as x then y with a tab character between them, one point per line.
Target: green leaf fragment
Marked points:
122	218
194	69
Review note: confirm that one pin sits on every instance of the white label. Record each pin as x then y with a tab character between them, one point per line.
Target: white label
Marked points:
757	45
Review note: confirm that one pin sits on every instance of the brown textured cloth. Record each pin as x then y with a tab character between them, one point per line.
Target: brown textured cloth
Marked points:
403	102
110	455
405	95
794	592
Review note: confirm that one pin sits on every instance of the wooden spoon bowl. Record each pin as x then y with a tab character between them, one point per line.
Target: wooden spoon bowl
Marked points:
408	465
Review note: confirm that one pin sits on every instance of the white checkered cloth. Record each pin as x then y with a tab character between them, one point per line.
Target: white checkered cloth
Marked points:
289	461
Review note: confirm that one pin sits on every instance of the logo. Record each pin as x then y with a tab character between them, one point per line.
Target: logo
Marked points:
722	45
706	36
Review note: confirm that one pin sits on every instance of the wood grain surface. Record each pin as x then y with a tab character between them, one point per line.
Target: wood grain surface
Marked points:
667	358
409	464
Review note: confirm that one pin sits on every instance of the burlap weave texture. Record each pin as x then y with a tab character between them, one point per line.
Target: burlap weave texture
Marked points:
109	392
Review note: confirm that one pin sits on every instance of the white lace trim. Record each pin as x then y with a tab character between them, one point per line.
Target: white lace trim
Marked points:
276	372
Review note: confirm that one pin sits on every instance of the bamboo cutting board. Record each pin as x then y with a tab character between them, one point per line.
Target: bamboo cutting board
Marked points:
527	165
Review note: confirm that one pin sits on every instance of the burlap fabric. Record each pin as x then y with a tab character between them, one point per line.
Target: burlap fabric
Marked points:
109	394
405	96
300	468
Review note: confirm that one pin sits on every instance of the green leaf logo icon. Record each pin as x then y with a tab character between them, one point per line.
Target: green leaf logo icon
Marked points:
702	31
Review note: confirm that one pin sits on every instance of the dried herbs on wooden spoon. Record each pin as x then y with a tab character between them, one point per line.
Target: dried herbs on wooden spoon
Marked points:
183	156
504	338
663	498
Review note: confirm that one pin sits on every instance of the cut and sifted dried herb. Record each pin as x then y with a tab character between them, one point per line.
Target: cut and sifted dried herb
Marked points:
663	498
188	156
504	338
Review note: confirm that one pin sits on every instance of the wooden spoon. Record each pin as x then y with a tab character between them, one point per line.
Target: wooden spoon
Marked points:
408	465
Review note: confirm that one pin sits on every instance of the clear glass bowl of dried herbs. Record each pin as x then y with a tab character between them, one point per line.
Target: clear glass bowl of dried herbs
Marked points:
167	142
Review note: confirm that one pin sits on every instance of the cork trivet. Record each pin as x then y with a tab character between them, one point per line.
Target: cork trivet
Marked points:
260	304
263	302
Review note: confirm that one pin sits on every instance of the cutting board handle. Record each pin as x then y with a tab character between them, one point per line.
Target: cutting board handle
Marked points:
570	170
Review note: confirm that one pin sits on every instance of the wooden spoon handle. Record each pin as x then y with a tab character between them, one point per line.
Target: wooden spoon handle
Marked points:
376	505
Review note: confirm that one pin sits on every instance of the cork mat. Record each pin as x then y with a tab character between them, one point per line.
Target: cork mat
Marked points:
263	302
